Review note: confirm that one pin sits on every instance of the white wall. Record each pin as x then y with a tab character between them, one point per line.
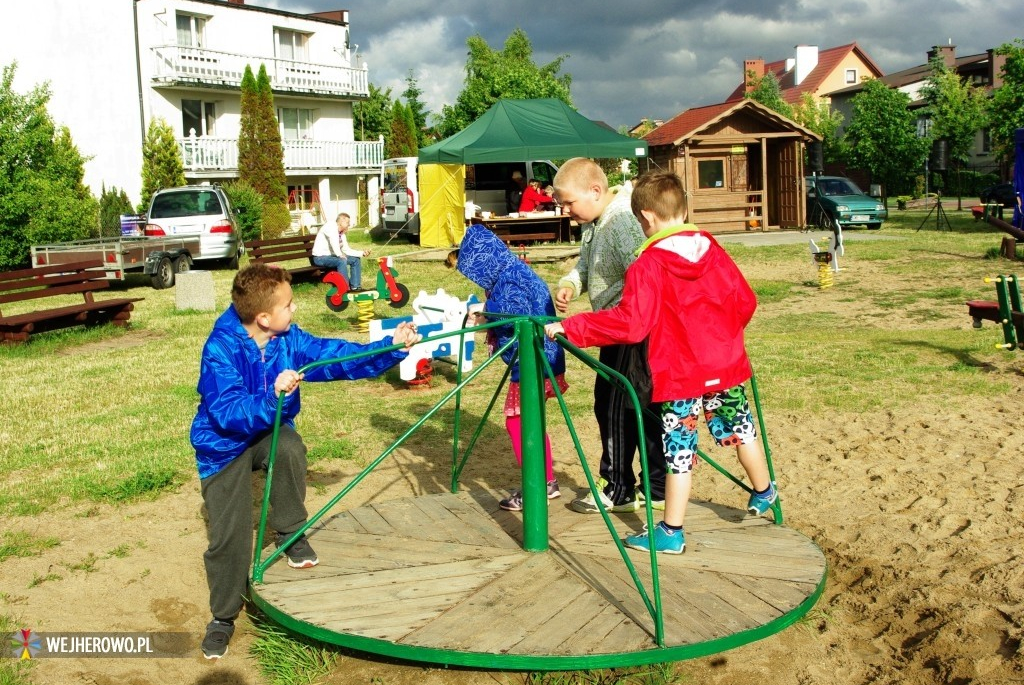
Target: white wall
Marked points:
86	51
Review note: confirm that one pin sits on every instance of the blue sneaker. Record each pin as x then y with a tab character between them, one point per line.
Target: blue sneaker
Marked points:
669	542
758	505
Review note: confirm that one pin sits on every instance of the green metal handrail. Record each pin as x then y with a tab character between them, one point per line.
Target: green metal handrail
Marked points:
535	532
259	567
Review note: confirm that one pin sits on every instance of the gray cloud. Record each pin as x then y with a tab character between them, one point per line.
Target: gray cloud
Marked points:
634	60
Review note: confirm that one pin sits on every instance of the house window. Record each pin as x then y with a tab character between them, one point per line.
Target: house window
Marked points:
191	30
711	173
198	116
296	124
924	127
291	45
986	141
851	75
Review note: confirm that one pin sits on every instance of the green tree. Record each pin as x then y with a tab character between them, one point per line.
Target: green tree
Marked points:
767	91
957	110
882	136
510	73
113	203
260	153
1006	108
42	196
162	166
248	204
372	117
416	108
401	142
819	116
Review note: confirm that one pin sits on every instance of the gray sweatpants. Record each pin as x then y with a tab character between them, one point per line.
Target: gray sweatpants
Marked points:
228	495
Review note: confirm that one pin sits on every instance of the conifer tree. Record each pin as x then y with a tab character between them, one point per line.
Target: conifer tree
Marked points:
162	166
402	140
260	153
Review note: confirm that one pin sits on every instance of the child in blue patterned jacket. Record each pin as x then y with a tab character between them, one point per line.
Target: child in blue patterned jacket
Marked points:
511	287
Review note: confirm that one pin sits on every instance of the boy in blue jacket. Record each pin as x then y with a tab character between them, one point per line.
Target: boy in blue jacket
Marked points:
249	359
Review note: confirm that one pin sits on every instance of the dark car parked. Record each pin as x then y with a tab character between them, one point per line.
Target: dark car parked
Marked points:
1002	193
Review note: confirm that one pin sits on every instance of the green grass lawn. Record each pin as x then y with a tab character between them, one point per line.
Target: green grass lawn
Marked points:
103	414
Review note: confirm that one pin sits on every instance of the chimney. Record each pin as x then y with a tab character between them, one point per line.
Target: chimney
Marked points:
947	52
806	60
995	68
752	69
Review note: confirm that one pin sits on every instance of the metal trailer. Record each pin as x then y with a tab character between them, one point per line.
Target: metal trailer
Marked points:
159	258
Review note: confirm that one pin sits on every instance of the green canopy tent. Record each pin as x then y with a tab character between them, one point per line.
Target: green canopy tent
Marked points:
510	131
521	130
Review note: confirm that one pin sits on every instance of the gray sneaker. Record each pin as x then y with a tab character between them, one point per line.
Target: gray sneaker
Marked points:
514	502
218	634
300	554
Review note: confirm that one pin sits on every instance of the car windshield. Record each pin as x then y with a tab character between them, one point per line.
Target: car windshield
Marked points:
171	205
838	186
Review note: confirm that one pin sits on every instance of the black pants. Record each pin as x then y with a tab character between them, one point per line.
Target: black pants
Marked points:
228	495
616	421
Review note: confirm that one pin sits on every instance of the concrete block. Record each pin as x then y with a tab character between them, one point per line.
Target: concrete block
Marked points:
194	290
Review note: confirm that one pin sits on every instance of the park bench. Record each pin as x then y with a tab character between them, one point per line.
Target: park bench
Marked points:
74	278
281	250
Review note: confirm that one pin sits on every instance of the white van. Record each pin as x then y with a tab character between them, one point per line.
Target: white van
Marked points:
485	186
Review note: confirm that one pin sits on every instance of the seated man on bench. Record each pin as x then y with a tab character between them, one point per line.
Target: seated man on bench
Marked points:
331	251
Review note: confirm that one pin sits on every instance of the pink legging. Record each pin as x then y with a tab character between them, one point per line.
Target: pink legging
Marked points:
514	426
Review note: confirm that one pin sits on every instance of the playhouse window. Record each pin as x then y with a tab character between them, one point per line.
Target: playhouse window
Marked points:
711	173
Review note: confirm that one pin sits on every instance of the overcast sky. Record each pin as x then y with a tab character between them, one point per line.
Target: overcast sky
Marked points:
631	60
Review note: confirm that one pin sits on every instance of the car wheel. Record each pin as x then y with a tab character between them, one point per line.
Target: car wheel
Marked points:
873	227
163	277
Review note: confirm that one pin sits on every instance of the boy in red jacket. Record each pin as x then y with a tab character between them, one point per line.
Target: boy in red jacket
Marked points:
686	294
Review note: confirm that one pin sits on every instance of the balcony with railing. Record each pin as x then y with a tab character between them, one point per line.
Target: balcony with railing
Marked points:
176	65
208	154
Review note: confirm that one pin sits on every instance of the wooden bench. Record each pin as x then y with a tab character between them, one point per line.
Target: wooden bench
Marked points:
75	278
280	250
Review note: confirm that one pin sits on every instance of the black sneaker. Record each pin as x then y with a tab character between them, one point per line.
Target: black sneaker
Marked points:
218	634
300	554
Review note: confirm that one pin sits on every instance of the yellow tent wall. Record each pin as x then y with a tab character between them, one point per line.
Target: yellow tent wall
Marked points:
442	204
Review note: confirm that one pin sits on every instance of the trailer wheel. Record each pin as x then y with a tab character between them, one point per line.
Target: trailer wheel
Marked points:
182	263
163	276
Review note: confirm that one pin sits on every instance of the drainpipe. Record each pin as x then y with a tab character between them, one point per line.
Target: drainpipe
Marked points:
138	74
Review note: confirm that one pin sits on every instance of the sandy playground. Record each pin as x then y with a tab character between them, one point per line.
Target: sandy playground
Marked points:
918	512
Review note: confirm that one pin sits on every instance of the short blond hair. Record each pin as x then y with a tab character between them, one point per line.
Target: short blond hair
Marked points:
580	173
660	192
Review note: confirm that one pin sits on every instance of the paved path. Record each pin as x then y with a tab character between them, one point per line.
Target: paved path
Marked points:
795	237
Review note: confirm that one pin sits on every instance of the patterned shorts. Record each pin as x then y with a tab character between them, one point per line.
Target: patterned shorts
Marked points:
727	414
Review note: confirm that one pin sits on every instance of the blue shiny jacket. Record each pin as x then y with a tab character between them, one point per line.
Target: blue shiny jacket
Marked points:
511	287
237	402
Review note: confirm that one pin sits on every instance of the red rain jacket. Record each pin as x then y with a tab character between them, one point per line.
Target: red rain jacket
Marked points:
690	298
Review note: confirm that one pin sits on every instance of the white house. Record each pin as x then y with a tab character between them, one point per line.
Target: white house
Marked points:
114	65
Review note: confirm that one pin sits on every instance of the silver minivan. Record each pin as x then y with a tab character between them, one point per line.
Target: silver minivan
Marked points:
485	186
201	211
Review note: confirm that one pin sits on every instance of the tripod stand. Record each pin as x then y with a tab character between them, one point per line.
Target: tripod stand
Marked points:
940	215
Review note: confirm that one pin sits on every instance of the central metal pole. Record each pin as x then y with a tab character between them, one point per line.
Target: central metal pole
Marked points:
531	402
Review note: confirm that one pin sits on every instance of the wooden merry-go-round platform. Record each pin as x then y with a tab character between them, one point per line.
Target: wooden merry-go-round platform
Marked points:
444	579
